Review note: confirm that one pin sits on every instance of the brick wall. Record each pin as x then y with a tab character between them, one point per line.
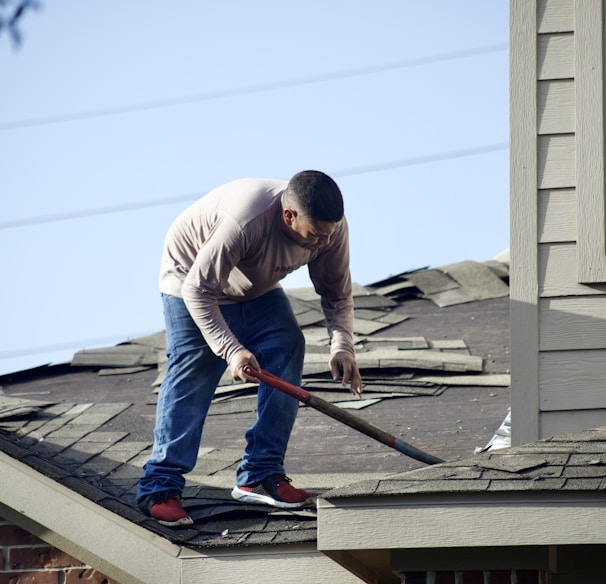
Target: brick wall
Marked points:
25	559
478	577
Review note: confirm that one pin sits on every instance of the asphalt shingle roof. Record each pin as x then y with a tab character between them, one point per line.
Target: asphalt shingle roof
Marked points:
572	462
436	375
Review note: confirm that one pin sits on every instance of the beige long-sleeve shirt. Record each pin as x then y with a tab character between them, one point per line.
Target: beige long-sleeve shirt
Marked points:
230	246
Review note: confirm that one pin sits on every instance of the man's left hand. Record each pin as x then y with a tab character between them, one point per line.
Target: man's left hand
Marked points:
343	364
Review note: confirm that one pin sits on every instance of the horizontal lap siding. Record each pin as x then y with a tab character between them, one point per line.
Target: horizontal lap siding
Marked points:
555	56
572	316
555	16
575	323
556	162
572	380
557	212
555	102
558	274
577	421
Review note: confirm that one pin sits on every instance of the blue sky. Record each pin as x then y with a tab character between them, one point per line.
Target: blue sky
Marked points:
115	116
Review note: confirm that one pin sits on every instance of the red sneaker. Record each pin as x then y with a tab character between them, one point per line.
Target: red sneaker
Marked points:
275	490
166	509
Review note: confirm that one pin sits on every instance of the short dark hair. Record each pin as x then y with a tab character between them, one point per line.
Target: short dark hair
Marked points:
317	195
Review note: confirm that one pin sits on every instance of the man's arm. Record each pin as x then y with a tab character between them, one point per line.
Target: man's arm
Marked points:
332	280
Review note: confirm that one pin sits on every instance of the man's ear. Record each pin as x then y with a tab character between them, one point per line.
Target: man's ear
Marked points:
289	215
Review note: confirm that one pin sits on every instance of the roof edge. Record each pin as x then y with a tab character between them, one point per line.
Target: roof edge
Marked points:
63	518
131	554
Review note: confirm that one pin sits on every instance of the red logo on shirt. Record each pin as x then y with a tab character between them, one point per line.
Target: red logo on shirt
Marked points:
284	269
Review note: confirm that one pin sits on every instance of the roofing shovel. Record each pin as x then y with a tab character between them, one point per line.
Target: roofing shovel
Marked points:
343	416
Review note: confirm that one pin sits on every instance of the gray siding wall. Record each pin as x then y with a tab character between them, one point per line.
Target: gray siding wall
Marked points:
557	218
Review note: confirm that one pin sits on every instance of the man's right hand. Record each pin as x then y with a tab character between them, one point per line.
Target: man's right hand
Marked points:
238	361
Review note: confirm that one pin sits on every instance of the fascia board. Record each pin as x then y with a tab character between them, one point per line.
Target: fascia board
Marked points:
461	521
130	554
109	543
302	564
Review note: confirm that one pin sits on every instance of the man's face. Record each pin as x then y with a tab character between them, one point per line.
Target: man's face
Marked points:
307	234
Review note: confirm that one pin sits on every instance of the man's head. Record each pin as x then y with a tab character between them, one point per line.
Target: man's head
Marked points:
312	206
316	196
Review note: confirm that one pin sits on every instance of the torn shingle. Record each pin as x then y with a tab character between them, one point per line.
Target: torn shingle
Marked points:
119	356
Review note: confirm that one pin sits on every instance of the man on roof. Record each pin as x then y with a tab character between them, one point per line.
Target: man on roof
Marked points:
222	263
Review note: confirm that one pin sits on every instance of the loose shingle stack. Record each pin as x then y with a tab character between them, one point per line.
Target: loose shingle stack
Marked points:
376	308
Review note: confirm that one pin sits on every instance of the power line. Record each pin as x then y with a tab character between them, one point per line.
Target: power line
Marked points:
94	212
421	160
170	200
26	222
269	86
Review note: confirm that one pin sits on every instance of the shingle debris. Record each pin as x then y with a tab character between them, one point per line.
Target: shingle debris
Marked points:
449	285
14	407
99	449
572	462
412	363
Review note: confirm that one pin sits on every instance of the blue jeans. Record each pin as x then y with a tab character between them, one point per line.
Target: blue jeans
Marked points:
267	327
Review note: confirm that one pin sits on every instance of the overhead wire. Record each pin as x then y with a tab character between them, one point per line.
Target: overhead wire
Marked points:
242	91
222	94
28	221
171	200
257	88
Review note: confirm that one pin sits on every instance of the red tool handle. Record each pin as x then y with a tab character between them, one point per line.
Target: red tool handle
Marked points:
341	415
279	383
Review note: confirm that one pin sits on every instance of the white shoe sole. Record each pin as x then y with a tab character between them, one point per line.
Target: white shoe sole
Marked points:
179	523
250	497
